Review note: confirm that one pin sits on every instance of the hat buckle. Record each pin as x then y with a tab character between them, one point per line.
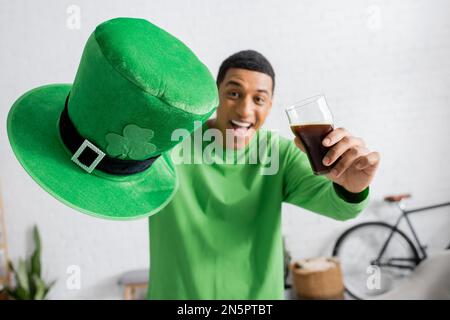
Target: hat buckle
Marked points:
87	144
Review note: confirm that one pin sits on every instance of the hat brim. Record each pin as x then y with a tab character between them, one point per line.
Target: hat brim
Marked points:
34	137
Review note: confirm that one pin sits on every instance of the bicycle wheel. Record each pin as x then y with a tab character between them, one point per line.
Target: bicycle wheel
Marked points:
366	272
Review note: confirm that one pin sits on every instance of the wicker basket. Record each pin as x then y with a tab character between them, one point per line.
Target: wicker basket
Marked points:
318	278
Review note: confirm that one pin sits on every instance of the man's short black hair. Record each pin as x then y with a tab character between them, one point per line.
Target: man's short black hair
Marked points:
249	60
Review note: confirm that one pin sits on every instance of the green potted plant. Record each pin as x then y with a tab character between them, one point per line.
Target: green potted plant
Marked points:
29	284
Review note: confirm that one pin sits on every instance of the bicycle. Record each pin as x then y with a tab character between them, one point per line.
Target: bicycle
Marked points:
382	250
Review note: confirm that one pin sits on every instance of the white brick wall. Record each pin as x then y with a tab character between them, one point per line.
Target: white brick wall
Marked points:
382	64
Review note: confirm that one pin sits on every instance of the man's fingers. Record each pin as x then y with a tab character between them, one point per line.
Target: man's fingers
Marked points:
346	143
347	160
369	161
335	136
299	144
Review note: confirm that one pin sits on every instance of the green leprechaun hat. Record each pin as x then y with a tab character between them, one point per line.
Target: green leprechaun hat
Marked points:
101	145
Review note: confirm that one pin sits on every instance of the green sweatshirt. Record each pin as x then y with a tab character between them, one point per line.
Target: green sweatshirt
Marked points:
220	236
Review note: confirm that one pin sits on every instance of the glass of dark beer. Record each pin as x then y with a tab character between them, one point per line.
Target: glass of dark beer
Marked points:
311	121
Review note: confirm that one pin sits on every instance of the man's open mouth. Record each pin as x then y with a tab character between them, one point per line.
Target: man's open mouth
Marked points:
240	128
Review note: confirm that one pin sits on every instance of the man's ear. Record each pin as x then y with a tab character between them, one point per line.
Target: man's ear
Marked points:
270	104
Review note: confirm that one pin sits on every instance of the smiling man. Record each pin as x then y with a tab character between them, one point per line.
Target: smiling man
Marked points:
245	97
220	236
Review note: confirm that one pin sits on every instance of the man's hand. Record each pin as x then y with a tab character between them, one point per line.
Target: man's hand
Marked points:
355	165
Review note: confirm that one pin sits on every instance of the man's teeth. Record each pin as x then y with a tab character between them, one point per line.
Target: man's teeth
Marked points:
241	124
